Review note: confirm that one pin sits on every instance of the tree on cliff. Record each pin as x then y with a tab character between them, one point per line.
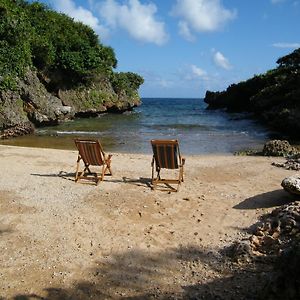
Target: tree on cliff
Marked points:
272	97
53	68
33	35
290	61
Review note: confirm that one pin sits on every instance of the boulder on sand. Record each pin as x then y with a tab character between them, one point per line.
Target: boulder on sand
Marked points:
292	184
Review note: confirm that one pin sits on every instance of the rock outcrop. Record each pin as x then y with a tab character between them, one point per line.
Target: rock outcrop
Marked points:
278	148
292	185
32	105
291	163
272	98
53	68
275	239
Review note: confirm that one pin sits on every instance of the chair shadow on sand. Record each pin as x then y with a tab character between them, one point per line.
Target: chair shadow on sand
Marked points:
147	182
62	174
141	181
267	200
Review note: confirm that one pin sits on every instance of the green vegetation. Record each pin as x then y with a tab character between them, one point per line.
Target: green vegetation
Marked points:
128	82
272	97
34	36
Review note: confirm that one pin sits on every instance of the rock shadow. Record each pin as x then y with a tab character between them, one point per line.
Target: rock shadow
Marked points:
266	200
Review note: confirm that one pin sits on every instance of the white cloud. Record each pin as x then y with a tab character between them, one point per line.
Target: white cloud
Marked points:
78	13
286	45
198	72
185	32
203	15
136	18
221	61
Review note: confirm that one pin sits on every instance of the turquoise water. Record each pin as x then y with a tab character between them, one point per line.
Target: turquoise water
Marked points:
199	131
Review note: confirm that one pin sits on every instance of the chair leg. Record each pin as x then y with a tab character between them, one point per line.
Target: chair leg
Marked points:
77	171
181	171
102	173
107	165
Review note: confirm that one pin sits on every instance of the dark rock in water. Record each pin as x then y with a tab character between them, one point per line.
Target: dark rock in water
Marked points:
291	184
278	148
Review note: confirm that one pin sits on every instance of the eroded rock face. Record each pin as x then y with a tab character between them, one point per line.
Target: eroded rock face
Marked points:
292	184
28	106
278	148
31	105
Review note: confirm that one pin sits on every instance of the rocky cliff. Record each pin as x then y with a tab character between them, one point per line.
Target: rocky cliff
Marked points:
53	68
273	97
31	105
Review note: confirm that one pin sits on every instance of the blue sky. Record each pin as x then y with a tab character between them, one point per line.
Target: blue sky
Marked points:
184	47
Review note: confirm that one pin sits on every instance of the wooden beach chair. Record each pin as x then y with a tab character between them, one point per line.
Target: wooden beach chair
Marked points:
91	153
166	155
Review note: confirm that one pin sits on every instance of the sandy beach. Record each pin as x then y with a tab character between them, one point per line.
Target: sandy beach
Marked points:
65	240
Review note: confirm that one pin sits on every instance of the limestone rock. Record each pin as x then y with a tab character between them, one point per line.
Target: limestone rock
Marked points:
278	148
290	164
276	233
33	105
292	184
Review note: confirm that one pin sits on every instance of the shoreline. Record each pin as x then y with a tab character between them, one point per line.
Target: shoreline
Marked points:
120	238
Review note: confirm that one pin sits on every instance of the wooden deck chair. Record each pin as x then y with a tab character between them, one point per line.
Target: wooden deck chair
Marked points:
91	153
166	155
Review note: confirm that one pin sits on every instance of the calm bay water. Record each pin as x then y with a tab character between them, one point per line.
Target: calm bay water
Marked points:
199	131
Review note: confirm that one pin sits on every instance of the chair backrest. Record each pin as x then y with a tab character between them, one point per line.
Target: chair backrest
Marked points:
90	151
166	153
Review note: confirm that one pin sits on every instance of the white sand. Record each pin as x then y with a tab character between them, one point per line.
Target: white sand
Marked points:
59	238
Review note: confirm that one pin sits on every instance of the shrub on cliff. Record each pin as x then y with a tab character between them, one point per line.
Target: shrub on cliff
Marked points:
273	97
128	82
33	35
15	52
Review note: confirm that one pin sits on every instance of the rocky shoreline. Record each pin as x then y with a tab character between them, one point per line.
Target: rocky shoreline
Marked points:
32	105
272	98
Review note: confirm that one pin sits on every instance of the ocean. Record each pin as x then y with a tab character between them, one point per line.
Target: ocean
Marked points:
199	131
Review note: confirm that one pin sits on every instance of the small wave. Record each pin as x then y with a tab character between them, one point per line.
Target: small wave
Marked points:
73	132
180	126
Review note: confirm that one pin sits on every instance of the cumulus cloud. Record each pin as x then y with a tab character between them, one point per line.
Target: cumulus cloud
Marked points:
221	61
286	45
136	18
78	13
202	15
